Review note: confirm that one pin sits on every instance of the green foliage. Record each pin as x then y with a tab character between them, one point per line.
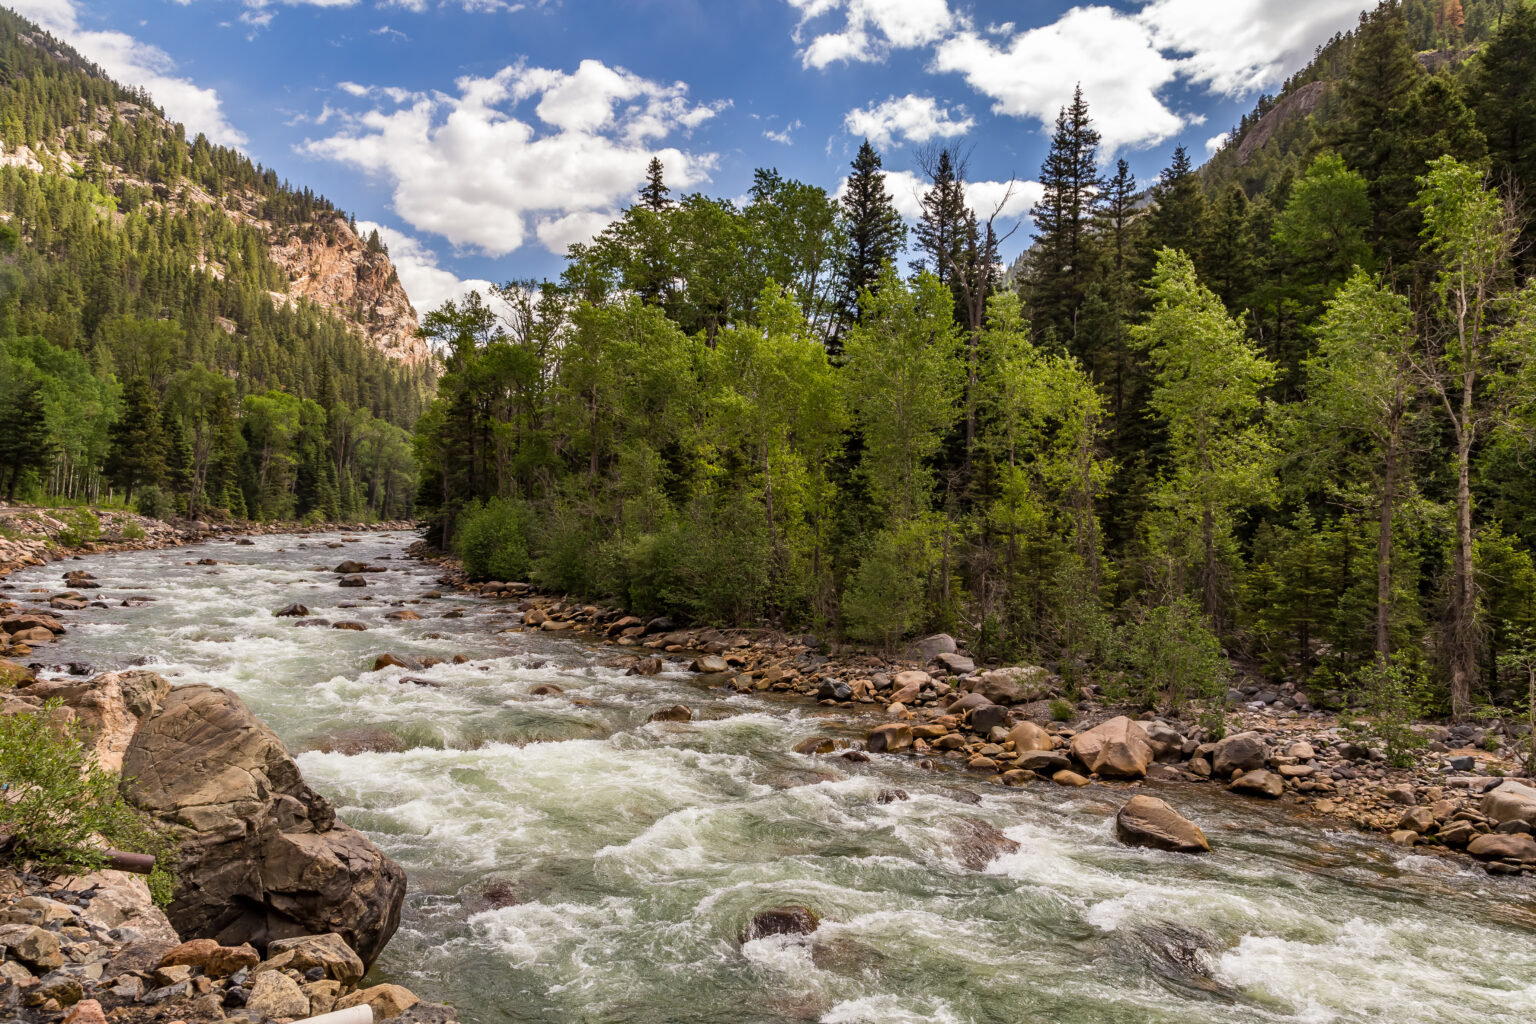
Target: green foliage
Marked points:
59	800
1392	697
492	540
155	504
1062	710
1174	658
82	528
132	531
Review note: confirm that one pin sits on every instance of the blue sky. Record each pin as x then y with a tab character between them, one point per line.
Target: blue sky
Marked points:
484	136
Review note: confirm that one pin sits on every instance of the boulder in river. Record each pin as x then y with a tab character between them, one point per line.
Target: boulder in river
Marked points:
1500	846
291	611
1258	783
675	713
352	581
349	567
261	855
1244	751
890	738
391	660
1116	749
978	843
1029	736
790	920
1148	821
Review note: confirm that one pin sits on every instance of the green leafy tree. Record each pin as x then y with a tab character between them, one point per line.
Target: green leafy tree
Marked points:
1207	386
137	455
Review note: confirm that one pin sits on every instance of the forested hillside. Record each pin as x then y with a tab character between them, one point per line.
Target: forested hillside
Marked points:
1288	429
179	327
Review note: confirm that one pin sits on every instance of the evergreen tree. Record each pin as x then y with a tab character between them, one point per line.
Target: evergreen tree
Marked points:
1177	221
946	226
874	231
178	458
24	439
1504	91
137	456
654	193
1060	263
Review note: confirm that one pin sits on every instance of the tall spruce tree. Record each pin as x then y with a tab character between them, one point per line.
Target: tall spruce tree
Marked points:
137	456
654	193
1178	219
24	439
946	225
874	230
1060	264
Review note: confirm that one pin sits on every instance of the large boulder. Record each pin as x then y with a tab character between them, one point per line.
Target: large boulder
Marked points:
110	708
1259	783
1148	821
262	856
13	674
889	739
1496	846
1029	736
1244	751
1117	749
1017	685
1510	802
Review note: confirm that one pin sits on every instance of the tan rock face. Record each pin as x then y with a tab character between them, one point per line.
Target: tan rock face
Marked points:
1117	749
888	739
1029	736
387	1000
262	856
328	264
110	707
274	994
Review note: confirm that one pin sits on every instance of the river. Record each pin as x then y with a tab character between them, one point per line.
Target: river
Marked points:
570	862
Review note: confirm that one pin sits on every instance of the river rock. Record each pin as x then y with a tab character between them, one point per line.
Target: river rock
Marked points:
402	615
1511	801
1258	783
675	713
36	947
956	664
890	738
352	581
291	611
790	920
645	667
215	960
834	689
709	665
261	855
969	702
330	953
1043	762
386	1001
13	674
349	567
931	647
816	745
1029	736
1116	749
1148	821
1501	846
1244	751
985	719
1017	685
978	843
1417	820
86	1011
274	994
390	660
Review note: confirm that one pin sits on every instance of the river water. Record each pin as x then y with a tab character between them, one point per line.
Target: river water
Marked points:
569	862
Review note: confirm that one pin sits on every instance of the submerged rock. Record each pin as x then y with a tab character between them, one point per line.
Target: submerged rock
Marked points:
789	920
978	844
675	713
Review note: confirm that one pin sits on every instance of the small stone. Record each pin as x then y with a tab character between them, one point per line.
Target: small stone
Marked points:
291	611
887	796
1258	783
675	713
86	1011
1068	778
790	920
274	994
386	1000
1417	820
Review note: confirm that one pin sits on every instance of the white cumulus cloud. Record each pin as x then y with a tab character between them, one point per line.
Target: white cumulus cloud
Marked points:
1011	200
478	170
870	28
426	283
911	118
1215	142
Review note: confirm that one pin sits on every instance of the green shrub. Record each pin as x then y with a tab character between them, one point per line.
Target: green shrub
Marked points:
883	601
1062	710
132	531
492	539
59	800
155	503
1392	699
82	528
1174	657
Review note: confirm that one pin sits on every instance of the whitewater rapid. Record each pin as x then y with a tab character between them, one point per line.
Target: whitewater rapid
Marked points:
570	862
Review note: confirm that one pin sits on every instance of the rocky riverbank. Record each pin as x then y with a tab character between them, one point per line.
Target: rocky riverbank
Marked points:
1460	795
283	905
32	536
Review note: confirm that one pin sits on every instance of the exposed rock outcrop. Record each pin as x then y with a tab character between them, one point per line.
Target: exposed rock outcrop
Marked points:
262	855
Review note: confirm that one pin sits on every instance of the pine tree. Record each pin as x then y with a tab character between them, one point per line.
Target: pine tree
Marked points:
178	458
1178	219
24	438
874	230
946	224
1504	96
1060	264
137	454
654	193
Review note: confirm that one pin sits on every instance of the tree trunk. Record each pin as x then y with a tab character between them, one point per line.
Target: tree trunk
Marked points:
1464	592
1208	581
1384	555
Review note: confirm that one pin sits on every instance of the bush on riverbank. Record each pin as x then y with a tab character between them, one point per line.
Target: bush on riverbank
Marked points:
492	539
59	804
